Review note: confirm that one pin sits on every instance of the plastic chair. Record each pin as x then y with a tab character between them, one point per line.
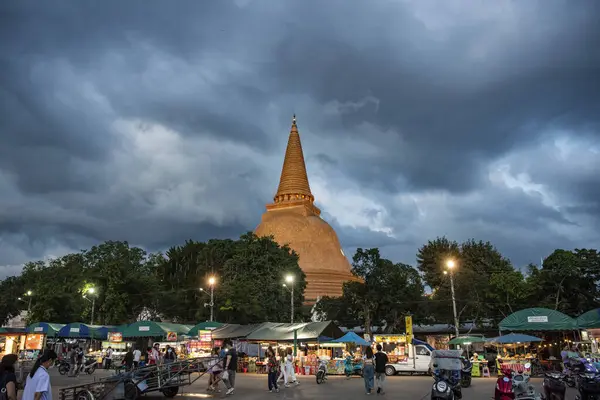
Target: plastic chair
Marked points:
485	371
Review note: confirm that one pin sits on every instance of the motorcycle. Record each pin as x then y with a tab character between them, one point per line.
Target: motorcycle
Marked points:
522	389
352	367
574	368
322	371
89	366
588	383
63	367
554	386
465	373
504	386
446	366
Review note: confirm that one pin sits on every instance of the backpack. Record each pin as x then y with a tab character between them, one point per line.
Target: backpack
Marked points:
3	393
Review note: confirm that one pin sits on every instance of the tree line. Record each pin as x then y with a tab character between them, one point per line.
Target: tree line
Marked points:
129	282
487	286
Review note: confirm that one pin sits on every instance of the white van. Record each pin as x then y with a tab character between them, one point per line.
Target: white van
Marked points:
419	358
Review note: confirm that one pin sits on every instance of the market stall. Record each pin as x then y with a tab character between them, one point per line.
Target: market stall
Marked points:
12	340
589	323
37	337
201	340
553	326
468	343
513	351
304	338
146	333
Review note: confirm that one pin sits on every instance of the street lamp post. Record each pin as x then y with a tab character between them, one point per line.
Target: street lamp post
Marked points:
29	294
290	280
91	291
451	264
211	282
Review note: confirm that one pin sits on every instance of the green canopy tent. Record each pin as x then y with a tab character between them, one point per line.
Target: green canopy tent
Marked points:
45	328
589	320
466	340
147	329
204	326
537	319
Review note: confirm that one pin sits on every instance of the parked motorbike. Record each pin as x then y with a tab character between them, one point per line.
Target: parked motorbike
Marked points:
574	368
465	373
89	366
522	389
504	386
63	367
352	367
588	385
322	371
446	366
554	386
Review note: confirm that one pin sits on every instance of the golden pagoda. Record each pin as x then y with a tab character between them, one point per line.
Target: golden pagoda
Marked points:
293	219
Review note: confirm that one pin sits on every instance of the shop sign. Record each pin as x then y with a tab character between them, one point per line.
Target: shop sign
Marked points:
538	318
144	328
74	330
115	337
389	338
171	336
205	336
38	329
409	329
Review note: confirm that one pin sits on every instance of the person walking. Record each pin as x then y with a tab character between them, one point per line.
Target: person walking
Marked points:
290	374
108	358
231	360
381	360
8	378
272	370
72	360
369	369
137	356
37	386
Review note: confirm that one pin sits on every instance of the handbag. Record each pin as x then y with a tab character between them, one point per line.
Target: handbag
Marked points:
225	375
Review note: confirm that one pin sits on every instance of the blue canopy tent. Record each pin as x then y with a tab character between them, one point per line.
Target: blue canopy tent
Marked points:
515	338
352	337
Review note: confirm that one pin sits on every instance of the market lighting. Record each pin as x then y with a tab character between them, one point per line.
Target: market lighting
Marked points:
211	280
450	263
29	293
289	278
91	290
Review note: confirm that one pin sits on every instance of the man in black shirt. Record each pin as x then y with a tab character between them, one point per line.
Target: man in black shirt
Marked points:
231	360
381	360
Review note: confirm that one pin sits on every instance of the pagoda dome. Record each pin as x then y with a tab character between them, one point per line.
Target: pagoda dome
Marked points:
293	219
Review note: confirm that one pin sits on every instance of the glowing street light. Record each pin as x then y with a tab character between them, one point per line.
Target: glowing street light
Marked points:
211	282
290	281
92	292
450	264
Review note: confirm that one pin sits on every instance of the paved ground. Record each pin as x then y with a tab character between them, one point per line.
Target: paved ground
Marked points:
254	387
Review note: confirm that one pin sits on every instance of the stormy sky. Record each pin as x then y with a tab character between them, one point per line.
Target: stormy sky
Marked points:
158	121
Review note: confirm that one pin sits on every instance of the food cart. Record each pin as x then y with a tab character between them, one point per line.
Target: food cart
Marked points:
201	342
38	335
12	340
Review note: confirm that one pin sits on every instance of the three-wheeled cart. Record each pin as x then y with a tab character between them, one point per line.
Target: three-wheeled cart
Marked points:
165	378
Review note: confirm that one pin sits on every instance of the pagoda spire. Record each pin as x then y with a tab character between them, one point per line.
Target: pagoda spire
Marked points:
293	184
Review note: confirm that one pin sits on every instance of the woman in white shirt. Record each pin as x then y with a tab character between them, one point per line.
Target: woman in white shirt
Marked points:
37	386
289	374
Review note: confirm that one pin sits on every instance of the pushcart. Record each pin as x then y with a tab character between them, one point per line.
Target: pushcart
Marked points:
164	378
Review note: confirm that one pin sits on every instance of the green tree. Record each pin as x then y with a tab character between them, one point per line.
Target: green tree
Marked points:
12	289
475	263
385	293
252	282
567	281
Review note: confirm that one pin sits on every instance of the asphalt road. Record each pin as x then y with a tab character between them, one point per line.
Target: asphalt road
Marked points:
254	387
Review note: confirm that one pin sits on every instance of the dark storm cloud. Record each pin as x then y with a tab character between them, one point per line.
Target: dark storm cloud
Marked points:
155	122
